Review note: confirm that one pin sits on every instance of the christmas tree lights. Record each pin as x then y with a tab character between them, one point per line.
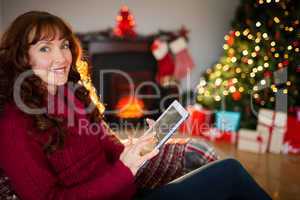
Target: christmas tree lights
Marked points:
264	39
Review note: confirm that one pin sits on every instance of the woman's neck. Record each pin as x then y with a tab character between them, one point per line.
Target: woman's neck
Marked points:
52	89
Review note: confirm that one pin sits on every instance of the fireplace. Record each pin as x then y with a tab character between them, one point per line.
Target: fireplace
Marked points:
125	100
123	73
128	100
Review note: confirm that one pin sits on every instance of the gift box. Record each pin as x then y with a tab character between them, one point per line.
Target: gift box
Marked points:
199	120
292	136
253	141
273	123
228	121
216	135
272	119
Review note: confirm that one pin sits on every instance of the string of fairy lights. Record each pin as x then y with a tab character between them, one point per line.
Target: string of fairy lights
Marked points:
86	81
245	63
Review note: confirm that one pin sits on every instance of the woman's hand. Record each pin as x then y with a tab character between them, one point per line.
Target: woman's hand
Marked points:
133	156
149	147
150	122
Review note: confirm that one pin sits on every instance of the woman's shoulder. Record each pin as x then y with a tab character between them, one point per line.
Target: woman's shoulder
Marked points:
12	115
14	122
13	125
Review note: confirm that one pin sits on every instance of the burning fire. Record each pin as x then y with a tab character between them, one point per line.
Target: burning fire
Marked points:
130	107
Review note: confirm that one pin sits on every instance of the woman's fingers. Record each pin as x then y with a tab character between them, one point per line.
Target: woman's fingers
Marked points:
150	122
146	136
149	141
130	139
124	142
134	140
150	155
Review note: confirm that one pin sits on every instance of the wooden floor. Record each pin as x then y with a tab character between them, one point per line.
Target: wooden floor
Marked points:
279	175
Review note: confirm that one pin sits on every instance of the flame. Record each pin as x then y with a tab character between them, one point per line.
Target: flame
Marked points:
130	107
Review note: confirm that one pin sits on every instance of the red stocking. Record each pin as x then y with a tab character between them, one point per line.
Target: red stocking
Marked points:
164	61
183	60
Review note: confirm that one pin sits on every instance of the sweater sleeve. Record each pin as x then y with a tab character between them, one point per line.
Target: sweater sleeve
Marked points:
33	179
105	187
111	143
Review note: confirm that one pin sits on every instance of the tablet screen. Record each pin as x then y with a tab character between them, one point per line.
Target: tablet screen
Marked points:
166	123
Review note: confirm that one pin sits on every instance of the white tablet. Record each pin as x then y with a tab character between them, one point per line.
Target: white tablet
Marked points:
168	122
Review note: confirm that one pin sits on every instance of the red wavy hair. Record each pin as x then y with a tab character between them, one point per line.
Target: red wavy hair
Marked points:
26	30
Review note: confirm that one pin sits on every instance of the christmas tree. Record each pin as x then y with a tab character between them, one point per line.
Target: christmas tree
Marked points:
262	46
125	23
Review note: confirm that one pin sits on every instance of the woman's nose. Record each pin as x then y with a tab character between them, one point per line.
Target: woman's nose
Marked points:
59	56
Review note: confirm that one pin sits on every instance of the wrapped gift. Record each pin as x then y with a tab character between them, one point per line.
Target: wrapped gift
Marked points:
228	121
253	141
292	136
199	121
273	123
216	135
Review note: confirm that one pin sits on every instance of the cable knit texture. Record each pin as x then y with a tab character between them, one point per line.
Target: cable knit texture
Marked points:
88	167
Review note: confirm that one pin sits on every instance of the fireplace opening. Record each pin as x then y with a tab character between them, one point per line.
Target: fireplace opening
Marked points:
130	107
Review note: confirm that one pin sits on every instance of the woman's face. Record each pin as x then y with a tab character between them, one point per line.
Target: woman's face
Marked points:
51	61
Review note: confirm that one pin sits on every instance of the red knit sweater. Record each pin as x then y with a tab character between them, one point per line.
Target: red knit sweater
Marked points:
88	167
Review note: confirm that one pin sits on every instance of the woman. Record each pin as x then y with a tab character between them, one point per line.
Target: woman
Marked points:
54	144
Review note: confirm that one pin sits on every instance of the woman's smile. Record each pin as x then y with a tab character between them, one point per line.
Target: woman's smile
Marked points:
59	70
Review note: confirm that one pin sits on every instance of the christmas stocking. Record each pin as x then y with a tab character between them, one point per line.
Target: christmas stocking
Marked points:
164	61
183	60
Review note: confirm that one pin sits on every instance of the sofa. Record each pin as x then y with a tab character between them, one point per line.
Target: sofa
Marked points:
6	191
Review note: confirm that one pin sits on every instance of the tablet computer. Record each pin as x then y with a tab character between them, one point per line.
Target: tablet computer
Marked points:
167	123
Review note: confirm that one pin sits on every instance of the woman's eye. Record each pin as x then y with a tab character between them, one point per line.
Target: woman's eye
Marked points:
66	45
44	49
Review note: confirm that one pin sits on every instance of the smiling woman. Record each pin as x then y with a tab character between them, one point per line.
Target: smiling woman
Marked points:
46	157
51	61
43	43
57	161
